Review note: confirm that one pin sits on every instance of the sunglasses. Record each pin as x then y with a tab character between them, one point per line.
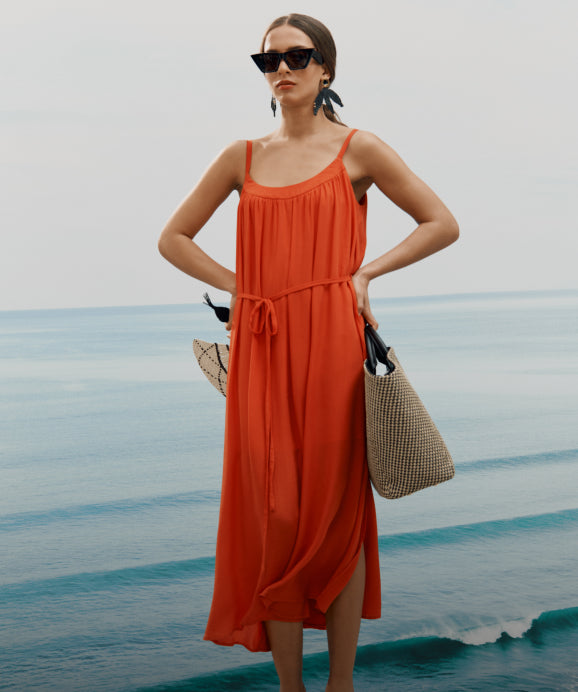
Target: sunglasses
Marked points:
296	59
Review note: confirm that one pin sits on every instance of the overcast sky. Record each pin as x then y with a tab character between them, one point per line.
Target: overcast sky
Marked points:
110	111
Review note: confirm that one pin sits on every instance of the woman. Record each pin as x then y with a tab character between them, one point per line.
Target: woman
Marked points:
297	540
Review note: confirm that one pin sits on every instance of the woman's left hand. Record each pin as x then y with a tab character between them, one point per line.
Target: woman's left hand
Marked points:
361	285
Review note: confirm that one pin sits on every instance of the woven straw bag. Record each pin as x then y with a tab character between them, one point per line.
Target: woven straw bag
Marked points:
405	450
214	361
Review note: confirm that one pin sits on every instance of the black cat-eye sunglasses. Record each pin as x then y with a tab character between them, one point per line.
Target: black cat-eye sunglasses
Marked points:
295	59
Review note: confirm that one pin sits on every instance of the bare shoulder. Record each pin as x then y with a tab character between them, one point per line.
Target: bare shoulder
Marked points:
230	163
365	139
234	153
372	154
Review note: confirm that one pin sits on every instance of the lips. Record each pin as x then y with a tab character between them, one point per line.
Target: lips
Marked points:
284	83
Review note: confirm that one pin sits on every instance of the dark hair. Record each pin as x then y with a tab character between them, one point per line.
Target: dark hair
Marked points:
322	41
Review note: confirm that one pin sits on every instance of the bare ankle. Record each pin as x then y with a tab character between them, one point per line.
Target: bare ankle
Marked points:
293	688
336	684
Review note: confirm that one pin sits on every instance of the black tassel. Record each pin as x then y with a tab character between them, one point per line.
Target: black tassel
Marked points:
221	312
326	95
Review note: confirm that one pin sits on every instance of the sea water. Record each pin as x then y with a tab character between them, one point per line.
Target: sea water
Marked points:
110	463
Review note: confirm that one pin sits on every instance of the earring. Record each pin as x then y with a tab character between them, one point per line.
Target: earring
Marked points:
326	95
273	105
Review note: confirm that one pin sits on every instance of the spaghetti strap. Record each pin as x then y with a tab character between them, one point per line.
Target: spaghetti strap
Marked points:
248	158
346	144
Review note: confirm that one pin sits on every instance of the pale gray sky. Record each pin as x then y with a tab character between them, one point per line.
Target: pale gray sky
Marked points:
111	110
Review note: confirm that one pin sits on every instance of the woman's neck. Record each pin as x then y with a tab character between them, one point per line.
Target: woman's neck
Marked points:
300	123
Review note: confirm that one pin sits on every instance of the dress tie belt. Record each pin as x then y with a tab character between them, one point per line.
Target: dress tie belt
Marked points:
263	319
263	315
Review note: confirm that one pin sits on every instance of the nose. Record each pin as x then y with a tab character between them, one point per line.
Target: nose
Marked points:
283	66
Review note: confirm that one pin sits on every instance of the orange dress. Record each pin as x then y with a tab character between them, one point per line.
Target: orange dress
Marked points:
296	502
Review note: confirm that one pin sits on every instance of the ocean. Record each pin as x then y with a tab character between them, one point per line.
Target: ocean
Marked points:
110	466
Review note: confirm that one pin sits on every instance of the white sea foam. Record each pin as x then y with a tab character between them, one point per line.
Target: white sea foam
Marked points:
489	633
475	634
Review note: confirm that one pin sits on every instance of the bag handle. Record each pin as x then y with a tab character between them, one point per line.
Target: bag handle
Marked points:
376	351
221	312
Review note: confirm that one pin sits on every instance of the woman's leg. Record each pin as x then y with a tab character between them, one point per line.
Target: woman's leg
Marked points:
286	642
343	621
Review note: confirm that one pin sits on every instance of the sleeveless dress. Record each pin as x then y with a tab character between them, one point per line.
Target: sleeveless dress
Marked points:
296	501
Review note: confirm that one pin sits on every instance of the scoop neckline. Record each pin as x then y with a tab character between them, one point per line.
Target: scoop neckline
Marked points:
300	183
302	187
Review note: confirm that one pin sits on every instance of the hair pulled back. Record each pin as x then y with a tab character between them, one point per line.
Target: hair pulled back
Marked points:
322	41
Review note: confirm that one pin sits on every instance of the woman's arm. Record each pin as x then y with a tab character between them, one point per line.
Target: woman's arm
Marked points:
176	243
375	161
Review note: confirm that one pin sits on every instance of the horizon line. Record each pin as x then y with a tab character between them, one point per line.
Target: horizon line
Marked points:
427	296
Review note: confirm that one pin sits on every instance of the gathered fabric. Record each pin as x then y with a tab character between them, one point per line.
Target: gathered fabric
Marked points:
296	503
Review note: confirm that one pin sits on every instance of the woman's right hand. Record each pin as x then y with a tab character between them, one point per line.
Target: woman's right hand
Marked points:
229	324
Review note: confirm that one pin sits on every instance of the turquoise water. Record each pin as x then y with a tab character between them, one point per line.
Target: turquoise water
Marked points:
110	461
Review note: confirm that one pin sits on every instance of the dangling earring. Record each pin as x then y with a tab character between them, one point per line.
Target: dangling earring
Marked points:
273	105
327	95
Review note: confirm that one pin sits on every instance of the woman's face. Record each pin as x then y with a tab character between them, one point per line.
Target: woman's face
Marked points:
293	87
